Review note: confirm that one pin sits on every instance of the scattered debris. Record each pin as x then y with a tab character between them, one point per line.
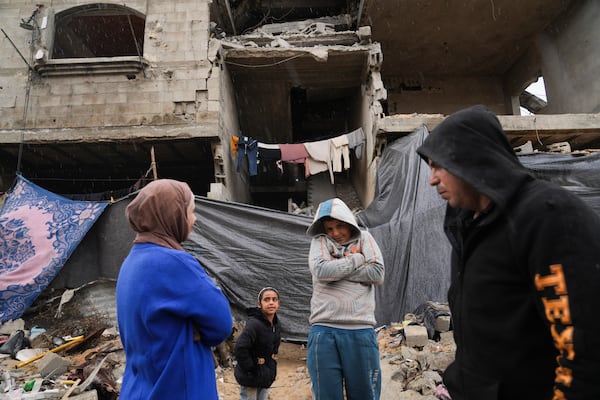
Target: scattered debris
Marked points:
50	355
559	147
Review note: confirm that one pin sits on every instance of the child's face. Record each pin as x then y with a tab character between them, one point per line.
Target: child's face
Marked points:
269	303
338	230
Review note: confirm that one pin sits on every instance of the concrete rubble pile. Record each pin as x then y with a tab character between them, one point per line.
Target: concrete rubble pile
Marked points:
43	356
38	364
415	352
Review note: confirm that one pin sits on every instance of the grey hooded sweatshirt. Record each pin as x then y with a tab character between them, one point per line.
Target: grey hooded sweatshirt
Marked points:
343	274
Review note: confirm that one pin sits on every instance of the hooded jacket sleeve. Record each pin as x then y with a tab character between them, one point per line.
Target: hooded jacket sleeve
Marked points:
188	293
563	257
325	267
372	270
363	264
244	347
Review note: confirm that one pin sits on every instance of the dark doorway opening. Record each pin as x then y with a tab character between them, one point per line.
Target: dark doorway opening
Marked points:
319	113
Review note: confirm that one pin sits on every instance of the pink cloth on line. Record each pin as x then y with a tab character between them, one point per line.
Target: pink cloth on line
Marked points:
295	153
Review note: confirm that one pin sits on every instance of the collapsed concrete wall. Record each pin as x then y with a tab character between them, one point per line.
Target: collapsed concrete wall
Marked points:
176	83
163	89
305	81
444	94
160	80
440	59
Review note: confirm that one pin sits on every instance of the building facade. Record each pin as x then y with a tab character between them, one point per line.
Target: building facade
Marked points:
96	98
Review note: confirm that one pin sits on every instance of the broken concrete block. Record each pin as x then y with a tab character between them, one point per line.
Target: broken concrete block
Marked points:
446	337
364	33
442	323
89	395
416	335
559	147
9	327
52	365
279	42
26	354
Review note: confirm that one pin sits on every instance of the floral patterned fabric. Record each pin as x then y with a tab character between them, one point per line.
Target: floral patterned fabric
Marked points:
38	232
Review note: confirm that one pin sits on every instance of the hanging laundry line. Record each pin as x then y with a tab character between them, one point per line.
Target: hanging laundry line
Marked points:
332	155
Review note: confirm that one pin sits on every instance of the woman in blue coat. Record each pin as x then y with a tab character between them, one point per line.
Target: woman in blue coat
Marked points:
169	311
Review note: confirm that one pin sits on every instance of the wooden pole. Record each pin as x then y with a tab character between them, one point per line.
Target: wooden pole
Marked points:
70	343
154	173
71	389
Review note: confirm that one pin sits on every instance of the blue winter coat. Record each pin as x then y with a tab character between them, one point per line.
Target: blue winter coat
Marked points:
162	296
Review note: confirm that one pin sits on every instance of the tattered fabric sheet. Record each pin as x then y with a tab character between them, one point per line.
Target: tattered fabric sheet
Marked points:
38	232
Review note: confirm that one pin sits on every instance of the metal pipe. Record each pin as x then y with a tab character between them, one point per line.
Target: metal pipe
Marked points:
23	58
230	16
360	8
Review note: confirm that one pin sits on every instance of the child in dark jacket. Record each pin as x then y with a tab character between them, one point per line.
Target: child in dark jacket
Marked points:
257	346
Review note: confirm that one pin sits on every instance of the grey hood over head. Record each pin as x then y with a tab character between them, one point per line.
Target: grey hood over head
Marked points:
333	208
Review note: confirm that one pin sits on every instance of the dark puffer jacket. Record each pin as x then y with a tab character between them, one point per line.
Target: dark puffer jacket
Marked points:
258	341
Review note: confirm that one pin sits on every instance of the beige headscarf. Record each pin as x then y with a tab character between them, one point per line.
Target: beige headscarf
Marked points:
159	213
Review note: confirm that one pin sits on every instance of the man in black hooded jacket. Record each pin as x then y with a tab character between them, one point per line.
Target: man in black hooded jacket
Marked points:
525	278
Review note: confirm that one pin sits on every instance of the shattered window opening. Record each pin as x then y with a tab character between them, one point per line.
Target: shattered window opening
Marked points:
98	30
533	99
244	16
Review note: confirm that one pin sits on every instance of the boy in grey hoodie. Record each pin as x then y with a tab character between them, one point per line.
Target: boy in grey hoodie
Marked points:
346	264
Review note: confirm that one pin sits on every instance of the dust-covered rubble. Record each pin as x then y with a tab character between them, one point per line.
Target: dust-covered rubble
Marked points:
76	357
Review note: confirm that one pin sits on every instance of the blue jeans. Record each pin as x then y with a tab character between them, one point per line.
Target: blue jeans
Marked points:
339	359
247	147
251	393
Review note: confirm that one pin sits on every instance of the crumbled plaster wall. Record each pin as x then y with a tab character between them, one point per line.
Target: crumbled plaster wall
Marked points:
374	93
565	54
570	61
431	95
233	187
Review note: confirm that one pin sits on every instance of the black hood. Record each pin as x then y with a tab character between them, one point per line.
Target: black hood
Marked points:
471	145
258	314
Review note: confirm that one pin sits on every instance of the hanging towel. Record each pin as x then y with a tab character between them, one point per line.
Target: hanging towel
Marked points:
339	153
356	140
318	158
295	153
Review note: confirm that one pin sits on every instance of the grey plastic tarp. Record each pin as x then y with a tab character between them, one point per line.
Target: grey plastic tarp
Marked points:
406	219
245	248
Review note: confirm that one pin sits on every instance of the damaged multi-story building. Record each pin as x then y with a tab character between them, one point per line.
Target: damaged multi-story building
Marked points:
95	96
